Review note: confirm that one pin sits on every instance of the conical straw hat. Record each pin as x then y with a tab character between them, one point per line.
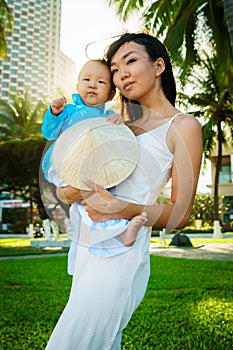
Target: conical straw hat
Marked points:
97	150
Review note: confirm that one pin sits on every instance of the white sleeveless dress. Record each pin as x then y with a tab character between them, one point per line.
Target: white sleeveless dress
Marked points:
106	291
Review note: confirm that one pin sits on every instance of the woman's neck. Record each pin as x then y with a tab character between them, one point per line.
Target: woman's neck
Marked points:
154	100
153	115
159	108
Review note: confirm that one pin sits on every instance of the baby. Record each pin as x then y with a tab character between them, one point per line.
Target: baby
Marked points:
94	88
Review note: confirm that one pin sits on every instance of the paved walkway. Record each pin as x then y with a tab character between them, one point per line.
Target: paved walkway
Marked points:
209	251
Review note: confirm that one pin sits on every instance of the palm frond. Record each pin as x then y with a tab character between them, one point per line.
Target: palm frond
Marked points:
21	117
125	7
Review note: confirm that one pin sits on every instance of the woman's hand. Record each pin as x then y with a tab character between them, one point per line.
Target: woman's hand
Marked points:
102	205
71	194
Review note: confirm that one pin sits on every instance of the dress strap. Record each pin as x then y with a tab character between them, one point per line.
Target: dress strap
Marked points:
174	116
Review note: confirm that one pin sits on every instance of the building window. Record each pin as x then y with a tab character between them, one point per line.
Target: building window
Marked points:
225	173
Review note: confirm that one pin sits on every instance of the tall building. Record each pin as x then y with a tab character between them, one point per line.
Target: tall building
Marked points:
34	60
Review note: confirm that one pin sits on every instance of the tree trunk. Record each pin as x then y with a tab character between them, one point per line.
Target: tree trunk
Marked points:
31	204
228	11
218	169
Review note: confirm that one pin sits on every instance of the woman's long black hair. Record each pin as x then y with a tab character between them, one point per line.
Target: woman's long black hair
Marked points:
154	49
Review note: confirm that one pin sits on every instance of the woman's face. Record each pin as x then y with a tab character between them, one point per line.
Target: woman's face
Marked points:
133	71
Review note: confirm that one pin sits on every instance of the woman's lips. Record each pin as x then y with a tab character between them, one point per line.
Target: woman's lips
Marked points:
128	86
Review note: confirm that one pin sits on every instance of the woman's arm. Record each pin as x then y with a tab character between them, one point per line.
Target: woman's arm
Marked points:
186	141
187	136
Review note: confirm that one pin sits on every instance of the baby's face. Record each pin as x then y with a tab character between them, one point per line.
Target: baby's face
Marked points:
94	84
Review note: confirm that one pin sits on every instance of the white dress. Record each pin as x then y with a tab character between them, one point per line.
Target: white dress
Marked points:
106	291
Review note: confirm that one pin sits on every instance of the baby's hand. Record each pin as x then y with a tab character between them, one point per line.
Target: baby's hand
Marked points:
115	119
58	105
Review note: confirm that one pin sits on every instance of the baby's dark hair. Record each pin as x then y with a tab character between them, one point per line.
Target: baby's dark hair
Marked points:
154	49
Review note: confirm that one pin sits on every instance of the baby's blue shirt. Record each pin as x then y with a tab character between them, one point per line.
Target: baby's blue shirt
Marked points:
53	126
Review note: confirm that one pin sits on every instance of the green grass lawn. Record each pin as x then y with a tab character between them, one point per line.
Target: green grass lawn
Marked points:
188	304
21	246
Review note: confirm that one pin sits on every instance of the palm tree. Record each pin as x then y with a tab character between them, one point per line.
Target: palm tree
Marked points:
179	23
6	25
20	119
214	104
228	11
20	122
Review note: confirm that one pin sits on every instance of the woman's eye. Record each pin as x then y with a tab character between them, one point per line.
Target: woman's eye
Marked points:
131	60
113	71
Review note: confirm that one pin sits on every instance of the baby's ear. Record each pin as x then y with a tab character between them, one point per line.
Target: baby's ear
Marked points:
77	87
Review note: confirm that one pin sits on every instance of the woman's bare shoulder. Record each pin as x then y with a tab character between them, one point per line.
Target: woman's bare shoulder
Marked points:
187	121
187	126
185	129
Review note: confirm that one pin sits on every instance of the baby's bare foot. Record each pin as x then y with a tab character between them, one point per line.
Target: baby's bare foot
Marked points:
129	236
138	221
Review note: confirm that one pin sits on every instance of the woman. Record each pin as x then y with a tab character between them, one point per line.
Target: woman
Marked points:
105	292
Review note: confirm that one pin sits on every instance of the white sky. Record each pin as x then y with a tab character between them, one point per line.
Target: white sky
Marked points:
86	21
94	20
